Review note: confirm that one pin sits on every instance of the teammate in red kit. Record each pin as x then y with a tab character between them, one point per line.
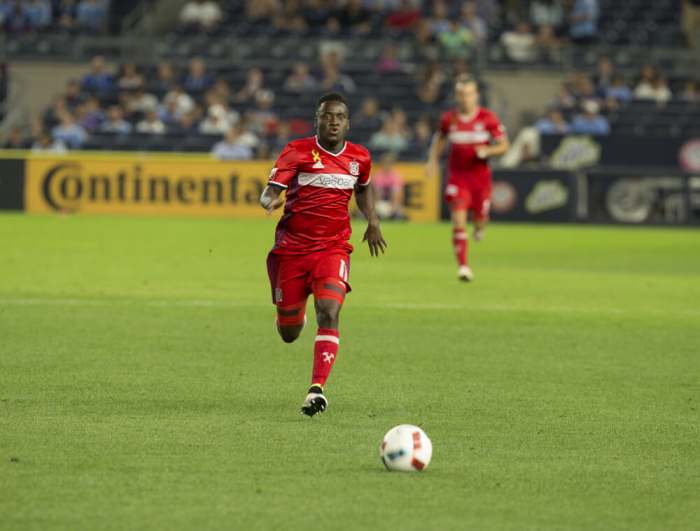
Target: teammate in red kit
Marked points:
311	252
475	134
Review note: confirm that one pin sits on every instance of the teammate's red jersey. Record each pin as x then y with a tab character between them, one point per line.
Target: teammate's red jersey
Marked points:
465	134
319	187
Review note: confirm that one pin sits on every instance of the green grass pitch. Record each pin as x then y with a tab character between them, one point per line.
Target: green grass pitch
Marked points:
142	385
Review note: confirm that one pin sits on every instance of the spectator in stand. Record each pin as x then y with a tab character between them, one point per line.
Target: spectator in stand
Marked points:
690	23
439	21
405	18
115	122
657	90
262	118
389	137
333	80
151	124
187	123
90	115
201	16
66	15
92	15
73	95
552	124
422	136
432	73
98	80
388	187
389	59
16	20
248	138
520	44
691	92
355	17
183	101
281	138
300	79
68	131
332	28
652	86
232	146
254	82
547	13
38	14
474	23
15	139
605	71
197	78
316	13
369	117
222	89
165	78
142	101
262	11
590	122
548	45
583	21
46	144
456	41
216	122
130	78
618	92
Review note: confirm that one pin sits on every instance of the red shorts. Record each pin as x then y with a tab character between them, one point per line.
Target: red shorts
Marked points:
292	276
474	198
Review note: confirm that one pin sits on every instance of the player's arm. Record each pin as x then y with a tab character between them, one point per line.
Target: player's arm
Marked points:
498	148
271	198
437	145
364	195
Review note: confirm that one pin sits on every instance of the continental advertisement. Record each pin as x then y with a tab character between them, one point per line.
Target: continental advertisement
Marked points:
130	184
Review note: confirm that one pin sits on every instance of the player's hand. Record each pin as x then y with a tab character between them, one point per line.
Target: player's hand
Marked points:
482	152
275	204
375	240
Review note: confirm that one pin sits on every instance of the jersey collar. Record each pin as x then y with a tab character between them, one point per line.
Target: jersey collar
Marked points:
345	144
467	117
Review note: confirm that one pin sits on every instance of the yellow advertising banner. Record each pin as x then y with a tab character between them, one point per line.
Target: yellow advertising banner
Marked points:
175	185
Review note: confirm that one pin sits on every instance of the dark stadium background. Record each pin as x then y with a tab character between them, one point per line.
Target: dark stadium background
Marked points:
118	76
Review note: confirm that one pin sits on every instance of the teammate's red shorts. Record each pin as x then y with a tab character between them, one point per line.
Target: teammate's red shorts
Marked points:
292	276
469	197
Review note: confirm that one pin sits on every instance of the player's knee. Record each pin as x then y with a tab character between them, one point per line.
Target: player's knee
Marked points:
289	334
327	313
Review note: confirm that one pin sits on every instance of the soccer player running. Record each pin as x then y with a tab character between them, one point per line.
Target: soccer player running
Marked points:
475	134
311	252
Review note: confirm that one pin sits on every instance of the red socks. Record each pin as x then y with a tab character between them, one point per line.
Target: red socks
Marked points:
460	242
325	352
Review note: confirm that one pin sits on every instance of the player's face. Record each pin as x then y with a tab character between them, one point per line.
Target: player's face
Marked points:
332	122
467	96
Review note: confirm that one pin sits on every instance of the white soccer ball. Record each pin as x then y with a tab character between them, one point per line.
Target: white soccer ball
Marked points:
406	448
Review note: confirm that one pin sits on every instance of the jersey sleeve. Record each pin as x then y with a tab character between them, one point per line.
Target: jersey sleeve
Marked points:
285	168
445	122
365	169
495	127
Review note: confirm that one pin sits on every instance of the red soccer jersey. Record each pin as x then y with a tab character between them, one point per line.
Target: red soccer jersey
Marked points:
465	134
319	186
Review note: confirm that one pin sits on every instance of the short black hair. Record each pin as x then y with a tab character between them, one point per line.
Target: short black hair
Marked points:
332	96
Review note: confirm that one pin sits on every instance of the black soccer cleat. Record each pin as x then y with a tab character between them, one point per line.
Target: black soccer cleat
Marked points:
315	401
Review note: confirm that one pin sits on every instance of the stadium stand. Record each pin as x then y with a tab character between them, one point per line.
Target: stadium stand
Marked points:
257	67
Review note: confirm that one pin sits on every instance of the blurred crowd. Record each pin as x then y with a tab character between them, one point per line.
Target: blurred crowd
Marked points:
245	119
83	16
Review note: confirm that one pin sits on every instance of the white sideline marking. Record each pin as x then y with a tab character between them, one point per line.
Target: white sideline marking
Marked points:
222	303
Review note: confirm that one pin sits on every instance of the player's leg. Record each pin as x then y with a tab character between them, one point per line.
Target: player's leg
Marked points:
329	288
459	200
289	294
481	204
